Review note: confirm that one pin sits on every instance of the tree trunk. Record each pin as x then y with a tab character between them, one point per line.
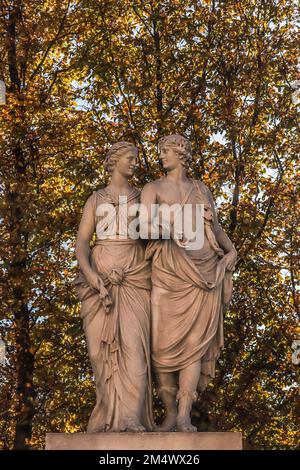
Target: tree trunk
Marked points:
16	197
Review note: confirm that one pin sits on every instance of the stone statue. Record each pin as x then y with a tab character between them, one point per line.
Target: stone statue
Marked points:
114	285
190	288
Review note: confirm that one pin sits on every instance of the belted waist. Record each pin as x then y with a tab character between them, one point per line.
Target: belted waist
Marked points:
127	241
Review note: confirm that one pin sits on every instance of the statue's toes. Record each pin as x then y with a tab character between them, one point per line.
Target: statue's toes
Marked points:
140	428
135	426
191	428
185	425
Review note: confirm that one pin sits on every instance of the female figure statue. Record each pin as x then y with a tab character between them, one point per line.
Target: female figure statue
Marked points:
114	287
190	288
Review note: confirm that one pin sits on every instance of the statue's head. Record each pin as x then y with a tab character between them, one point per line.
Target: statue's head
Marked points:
122	157
175	149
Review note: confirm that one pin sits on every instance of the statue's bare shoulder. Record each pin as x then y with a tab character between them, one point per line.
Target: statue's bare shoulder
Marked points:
91	202
205	189
152	188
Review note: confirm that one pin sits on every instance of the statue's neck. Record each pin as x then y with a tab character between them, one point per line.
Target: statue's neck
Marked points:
177	174
119	183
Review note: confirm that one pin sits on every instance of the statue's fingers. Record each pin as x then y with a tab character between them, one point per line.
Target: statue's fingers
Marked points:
231	266
106	305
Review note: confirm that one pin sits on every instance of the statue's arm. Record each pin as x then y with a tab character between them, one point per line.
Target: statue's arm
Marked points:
83	252
84	236
221	237
147	210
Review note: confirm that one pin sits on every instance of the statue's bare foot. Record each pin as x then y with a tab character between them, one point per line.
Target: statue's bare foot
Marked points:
133	425
183	424
169	423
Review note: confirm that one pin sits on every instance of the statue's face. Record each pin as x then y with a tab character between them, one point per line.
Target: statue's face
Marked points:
169	157
127	162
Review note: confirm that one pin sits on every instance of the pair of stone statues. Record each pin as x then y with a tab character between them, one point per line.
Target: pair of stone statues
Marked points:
152	307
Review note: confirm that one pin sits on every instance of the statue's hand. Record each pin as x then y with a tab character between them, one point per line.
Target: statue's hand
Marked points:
105	297
180	239
96	282
93	280
230	259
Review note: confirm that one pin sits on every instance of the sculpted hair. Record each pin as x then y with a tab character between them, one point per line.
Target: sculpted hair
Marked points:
115	152
180	144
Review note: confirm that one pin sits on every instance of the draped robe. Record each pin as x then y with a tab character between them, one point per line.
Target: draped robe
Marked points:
190	289
118	341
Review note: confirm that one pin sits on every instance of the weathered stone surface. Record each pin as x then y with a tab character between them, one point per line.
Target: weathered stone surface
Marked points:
145	441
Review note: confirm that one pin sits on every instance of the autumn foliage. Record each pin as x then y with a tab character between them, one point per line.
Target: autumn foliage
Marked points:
81	74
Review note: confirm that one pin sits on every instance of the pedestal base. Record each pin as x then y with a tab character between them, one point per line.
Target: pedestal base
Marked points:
145	441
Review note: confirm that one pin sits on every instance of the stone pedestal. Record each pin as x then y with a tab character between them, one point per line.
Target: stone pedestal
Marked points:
145	441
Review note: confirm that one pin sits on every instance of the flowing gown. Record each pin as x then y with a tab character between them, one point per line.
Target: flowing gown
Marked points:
118	341
190	289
